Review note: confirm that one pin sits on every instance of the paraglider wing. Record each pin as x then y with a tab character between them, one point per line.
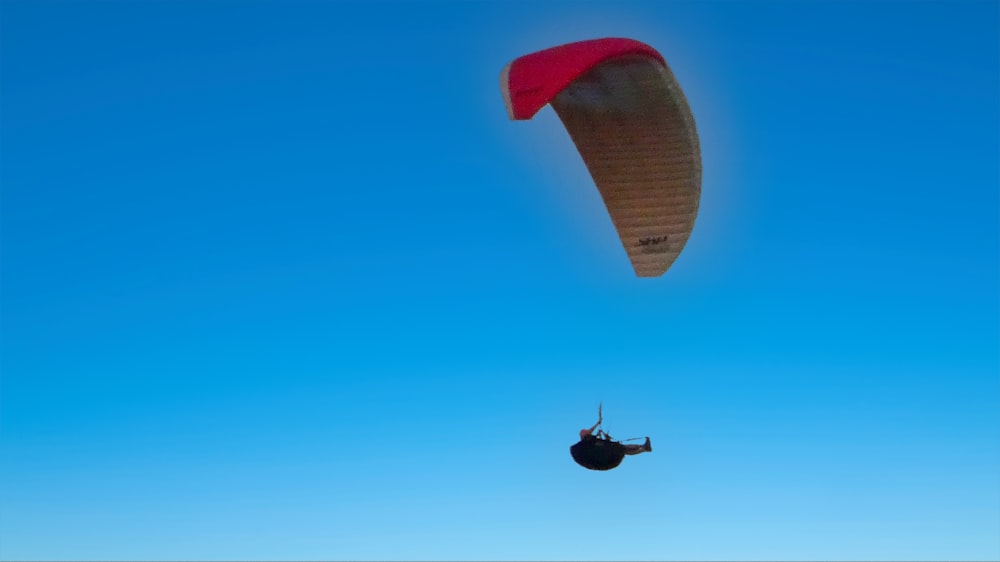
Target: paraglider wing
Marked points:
634	129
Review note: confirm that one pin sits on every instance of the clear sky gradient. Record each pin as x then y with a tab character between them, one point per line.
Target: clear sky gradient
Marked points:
281	280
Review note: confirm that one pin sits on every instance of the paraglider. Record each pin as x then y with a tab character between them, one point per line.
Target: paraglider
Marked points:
631	123
600	451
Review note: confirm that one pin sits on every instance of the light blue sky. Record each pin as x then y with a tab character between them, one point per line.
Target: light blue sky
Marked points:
280	280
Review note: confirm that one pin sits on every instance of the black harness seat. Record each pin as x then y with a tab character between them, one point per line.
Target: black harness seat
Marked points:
597	454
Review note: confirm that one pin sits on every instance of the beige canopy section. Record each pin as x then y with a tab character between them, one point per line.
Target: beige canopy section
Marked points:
634	129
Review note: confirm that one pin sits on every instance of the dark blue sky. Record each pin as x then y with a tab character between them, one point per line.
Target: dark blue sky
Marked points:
280	280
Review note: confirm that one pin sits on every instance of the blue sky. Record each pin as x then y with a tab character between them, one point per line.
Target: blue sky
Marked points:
280	280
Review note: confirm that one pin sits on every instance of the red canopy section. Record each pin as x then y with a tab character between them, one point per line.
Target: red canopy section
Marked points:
530	82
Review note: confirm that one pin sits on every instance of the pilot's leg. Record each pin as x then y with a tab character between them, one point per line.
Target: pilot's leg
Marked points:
636	449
